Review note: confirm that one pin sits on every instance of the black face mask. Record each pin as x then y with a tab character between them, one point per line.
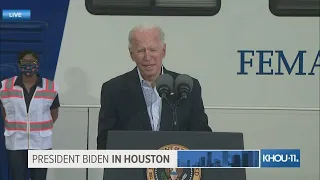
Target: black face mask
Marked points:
29	69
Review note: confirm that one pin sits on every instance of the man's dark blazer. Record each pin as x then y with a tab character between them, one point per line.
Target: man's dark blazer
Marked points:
123	108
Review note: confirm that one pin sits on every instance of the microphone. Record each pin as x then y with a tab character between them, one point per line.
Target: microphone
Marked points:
184	85
164	84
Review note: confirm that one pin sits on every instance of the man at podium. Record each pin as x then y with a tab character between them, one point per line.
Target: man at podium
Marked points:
131	101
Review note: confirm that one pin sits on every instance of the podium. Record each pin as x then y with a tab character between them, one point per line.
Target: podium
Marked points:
144	140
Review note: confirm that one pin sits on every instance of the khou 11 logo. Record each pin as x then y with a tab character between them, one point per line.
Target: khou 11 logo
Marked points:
16	14
280	158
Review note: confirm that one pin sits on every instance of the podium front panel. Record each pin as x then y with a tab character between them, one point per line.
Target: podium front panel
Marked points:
143	140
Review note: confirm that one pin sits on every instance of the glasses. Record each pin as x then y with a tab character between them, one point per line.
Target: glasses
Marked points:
28	61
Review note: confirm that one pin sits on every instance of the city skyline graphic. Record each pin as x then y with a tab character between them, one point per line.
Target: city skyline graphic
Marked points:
218	158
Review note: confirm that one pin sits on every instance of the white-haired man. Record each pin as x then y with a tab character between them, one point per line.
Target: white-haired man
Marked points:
130	101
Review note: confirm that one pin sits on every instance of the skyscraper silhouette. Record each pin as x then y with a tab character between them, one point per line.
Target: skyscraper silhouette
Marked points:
245	159
209	159
188	163
236	160
202	161
225	158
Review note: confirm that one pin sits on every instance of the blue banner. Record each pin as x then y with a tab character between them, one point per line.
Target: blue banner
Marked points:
280	158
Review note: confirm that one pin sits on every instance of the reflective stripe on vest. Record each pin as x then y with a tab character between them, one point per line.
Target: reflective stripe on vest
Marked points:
34	126
48	93
9	83
11	94
8	91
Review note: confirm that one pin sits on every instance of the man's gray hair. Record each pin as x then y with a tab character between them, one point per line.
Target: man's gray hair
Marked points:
145	27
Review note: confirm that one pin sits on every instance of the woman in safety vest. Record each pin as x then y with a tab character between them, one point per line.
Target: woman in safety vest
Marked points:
29	105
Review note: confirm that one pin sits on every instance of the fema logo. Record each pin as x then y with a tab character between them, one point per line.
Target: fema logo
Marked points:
174	173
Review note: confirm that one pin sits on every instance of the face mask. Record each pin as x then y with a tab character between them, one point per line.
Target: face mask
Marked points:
29	69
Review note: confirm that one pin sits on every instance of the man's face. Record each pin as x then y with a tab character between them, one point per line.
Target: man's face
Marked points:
147	51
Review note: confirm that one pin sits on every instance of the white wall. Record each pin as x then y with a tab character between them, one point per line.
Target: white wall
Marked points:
94	49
